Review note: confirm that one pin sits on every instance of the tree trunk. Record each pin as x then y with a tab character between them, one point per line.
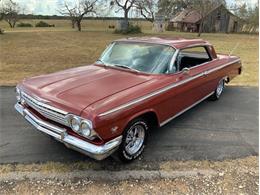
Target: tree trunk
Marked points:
200	28
73	24
126	20
10	24
13	24
79	25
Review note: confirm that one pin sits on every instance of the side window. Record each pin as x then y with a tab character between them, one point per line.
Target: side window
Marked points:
191	57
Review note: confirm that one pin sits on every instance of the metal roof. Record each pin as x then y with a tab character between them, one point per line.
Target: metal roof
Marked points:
187	16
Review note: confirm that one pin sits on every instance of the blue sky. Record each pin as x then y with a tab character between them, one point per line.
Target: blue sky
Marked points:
50	7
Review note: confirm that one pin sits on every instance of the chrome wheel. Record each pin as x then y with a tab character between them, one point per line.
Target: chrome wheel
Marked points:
220	88
134	139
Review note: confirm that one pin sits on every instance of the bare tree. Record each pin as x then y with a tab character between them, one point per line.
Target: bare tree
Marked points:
10	12
125	5
69	12
1	17
78	11
147	9
169	8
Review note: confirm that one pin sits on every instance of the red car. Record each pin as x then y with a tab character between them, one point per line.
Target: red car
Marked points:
137	84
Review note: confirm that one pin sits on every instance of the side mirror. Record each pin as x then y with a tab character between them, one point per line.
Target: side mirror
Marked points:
186	70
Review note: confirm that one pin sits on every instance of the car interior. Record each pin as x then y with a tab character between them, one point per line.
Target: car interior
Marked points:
191	57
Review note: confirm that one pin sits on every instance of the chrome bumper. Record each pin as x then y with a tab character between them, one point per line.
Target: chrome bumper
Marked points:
60	134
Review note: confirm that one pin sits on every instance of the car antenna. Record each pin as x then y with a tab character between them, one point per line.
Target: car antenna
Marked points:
232	51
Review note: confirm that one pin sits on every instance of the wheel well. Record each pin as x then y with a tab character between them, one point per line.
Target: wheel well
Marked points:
151	118
227	79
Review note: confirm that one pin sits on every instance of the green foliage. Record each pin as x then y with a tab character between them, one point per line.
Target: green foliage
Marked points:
24	25
132	29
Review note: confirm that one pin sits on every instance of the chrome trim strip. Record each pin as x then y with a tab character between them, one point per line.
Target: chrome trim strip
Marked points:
222	66
42	123
173	60
163	90
85	146
186	109
94	151
47	111
42	129
196	45
45	105
151	95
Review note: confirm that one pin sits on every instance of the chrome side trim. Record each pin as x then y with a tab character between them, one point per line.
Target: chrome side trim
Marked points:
92	150
186	109
222	66
138	100
151	95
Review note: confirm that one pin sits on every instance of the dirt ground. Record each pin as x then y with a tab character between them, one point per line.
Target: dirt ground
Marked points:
239	176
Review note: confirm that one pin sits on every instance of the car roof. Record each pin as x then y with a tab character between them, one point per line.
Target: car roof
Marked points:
175	42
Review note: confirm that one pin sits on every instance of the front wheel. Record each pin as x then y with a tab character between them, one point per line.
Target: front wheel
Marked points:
219	90
134	140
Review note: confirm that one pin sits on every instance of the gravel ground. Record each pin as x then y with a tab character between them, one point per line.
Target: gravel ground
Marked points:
233	177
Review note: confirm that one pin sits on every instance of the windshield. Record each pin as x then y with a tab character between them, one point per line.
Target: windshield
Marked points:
144	57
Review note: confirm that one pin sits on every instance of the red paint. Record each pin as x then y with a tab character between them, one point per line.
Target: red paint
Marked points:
91	90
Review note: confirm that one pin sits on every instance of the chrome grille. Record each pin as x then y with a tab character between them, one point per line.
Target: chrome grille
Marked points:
46	110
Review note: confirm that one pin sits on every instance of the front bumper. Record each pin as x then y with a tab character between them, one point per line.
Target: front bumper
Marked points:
60	134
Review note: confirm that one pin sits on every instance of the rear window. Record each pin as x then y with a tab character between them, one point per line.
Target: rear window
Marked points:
196	52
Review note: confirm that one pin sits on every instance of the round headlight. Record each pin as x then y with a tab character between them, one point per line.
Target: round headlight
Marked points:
85	128
75	124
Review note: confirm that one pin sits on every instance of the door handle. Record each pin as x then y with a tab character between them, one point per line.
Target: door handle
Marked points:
205	73
186	71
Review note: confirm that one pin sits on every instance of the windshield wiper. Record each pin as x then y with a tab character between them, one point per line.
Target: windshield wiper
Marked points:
126	67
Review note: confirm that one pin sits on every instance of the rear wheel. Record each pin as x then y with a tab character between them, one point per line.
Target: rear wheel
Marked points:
219	90
134	140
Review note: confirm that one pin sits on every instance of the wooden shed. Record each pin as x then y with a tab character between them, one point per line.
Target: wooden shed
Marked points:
219	19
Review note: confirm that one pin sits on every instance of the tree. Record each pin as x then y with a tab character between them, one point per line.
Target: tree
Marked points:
10	12
147	9
78	11
253	16
124	5
249	14
203	7
170	8
1	18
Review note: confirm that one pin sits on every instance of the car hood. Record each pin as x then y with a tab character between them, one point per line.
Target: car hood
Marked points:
75	89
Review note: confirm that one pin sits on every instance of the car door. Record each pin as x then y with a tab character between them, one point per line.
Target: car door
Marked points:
190	86
194	63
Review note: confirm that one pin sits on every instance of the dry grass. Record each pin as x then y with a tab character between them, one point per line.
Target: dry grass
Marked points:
28	52
58	167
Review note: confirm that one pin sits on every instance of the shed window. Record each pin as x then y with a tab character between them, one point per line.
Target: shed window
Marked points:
218	15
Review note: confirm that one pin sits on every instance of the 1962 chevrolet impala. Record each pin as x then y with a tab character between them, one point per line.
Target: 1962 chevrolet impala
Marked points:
137	84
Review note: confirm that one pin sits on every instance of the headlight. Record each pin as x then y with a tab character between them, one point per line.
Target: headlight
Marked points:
86	128
82	126
18	94
75	123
